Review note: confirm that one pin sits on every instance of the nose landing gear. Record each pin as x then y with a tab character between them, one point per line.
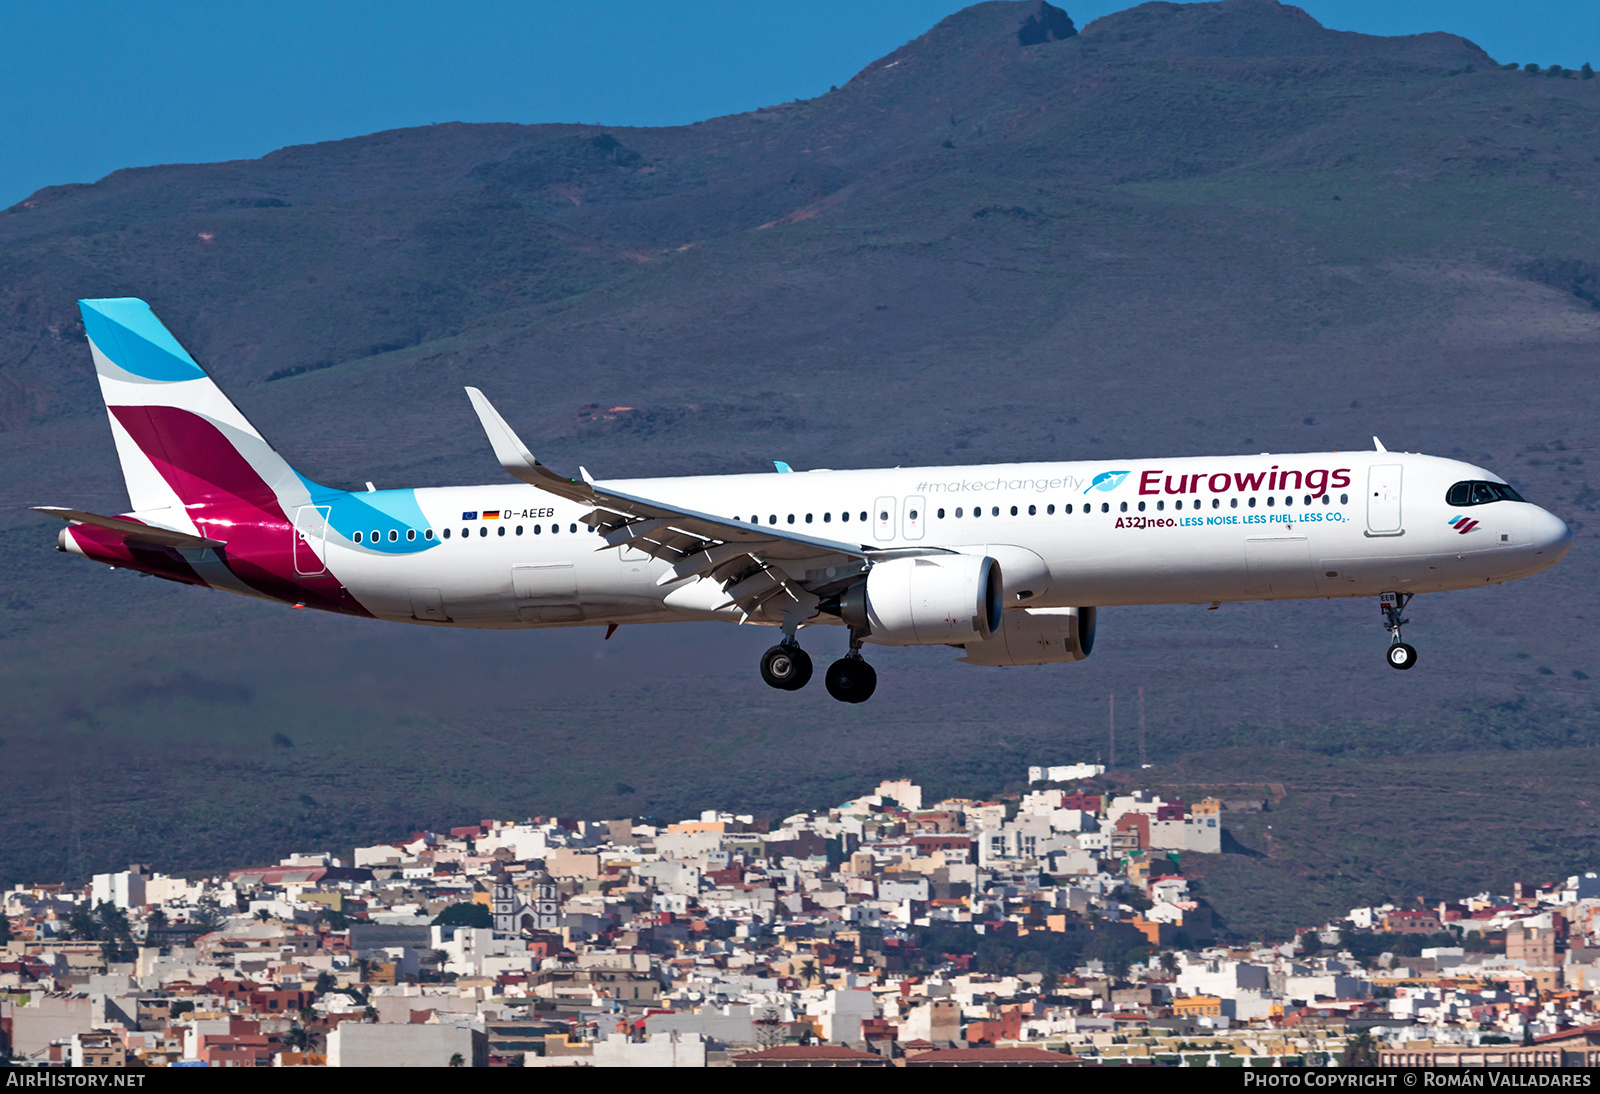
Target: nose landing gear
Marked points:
1400	655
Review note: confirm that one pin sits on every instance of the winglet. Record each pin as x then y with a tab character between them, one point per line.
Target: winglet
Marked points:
1378	445
514	455
783	468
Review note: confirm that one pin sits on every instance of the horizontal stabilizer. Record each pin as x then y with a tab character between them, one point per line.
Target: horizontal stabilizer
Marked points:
131	529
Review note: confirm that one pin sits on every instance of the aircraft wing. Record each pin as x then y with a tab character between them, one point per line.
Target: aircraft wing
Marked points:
130	529
754	563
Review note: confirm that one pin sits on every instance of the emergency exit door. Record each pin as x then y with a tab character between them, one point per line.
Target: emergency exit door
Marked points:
883	519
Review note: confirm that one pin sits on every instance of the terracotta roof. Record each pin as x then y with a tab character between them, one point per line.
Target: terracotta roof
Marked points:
1588	1033
993	1057
809	1055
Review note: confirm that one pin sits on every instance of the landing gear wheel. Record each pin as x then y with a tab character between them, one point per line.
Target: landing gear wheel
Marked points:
851	680
1401	656
786	667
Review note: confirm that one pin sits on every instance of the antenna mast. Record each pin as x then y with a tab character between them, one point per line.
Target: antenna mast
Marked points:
1141	727
1111	729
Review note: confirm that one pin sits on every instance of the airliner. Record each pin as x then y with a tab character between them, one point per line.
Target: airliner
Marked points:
1008	563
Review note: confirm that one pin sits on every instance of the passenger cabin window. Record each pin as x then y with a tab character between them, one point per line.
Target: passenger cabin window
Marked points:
1480	493
484	531
411	534
357	537
960	511
863	516
500	531
447	533
941	514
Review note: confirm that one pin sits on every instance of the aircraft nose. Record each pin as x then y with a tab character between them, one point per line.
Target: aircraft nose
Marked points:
1550	536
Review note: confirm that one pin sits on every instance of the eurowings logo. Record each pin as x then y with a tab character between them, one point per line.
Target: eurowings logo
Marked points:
1462	524
1107	480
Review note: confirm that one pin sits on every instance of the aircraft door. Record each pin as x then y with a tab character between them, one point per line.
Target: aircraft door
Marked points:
915	517
310	540
1383	500
883	519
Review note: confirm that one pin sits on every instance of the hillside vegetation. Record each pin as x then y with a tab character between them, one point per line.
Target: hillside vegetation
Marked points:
1207	228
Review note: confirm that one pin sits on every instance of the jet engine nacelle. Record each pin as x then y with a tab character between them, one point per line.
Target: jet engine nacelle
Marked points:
1037	636
929	600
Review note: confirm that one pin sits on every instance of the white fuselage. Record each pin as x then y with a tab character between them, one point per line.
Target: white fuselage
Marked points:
1188	530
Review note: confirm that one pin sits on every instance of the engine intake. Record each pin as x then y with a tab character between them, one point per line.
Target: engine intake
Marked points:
1037	636
929	600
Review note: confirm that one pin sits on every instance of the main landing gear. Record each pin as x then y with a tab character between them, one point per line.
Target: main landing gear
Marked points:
786	666
850	679
1400	655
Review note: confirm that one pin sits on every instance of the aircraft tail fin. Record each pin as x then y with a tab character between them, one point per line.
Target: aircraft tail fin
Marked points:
182	442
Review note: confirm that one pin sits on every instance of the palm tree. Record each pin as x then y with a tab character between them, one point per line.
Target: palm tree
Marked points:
1361	1050
456	1060
809	971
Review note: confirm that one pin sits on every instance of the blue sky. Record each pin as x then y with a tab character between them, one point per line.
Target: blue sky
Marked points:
89	88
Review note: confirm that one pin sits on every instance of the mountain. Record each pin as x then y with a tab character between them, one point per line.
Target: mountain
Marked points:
1201	228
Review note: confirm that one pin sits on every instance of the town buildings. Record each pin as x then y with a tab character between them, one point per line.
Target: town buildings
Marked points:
1056	927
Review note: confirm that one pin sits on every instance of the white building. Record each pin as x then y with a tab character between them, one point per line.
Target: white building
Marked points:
358	1044
125	890
1065	774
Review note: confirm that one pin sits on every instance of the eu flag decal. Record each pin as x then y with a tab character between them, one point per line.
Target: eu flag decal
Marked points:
469	516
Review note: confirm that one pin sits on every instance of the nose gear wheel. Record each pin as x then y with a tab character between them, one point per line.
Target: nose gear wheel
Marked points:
1393	605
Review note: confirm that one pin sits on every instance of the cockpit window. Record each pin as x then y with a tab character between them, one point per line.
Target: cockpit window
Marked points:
1480	493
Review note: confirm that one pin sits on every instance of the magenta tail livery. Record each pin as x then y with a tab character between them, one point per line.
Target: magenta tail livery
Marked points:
1007	562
